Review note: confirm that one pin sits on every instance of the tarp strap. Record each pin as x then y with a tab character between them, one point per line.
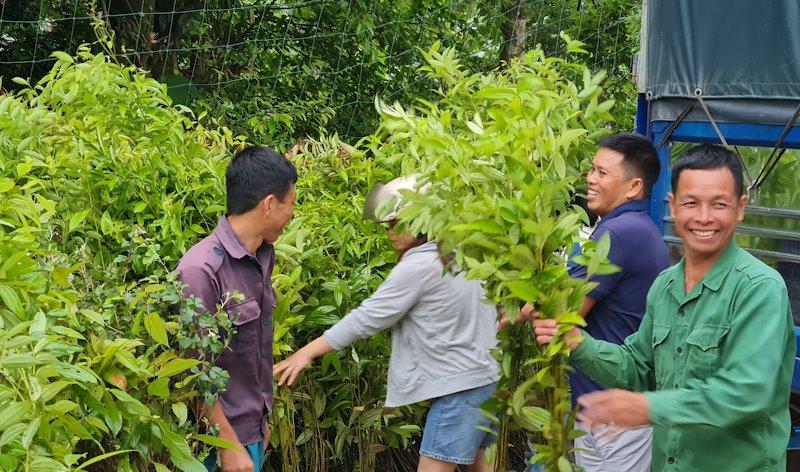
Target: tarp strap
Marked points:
777	152
668	132
724	141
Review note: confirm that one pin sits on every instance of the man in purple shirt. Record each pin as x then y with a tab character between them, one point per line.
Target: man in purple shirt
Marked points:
238	258
622	174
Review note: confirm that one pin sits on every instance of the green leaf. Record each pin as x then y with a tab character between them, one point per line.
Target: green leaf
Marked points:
76	219
75	372
39	324
156	328
159	387
134	405
214	441
13	413
11	300
181	412
6	184
523	289
533	418
61	407
19	361
52	389
62	56
521	257
603	246
8	462
176	366
106	225
11	433
103	457
564	465
179	450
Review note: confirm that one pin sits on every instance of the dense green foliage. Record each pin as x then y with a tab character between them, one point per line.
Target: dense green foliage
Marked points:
105	182
104	186
98	178
502	153
280	70
330	259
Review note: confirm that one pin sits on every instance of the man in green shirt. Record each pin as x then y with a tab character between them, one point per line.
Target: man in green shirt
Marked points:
711	365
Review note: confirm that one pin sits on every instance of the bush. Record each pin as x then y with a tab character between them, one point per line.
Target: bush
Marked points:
104	186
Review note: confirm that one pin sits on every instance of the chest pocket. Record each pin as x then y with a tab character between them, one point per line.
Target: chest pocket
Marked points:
660	350
245	316
705	346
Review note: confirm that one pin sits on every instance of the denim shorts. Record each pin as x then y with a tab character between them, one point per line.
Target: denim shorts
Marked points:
453	429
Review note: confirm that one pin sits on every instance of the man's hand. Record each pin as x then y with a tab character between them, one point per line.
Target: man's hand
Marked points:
546	330
235	460
290	368
619	408
526	314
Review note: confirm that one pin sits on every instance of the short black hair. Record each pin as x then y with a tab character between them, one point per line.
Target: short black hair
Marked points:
707	157
254	173
639	156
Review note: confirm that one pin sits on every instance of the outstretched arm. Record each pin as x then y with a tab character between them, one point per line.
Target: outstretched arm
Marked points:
291	367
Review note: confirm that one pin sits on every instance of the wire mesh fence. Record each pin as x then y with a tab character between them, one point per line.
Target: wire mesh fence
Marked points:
303	64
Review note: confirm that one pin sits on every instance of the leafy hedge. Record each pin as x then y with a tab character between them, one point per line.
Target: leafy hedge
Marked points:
104	185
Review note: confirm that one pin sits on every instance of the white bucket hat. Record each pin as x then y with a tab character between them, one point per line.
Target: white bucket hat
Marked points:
382	193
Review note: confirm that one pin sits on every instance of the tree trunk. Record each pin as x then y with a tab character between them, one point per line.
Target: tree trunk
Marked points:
514	31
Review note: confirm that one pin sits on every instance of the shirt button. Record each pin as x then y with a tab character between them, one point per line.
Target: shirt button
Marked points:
671	460
680	349
264	355
265	322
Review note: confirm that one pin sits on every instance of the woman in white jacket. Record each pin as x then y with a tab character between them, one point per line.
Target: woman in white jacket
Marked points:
442	335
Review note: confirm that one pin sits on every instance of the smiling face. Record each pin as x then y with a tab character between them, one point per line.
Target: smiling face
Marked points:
706	209
277	214
608	183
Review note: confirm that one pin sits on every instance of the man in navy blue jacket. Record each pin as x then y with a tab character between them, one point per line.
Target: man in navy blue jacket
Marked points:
622	174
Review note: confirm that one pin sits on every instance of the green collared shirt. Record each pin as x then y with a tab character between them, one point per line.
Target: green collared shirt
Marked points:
716	365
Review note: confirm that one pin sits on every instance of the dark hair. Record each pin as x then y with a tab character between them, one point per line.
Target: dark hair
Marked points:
254	173
638	156
707	157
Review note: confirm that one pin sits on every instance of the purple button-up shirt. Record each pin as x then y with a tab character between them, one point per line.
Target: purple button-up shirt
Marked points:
212	270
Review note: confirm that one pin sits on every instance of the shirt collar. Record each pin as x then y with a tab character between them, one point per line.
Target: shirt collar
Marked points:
230	241
424	247
633	205
712	280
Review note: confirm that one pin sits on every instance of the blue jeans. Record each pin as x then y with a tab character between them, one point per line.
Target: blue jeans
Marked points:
453	428
256	451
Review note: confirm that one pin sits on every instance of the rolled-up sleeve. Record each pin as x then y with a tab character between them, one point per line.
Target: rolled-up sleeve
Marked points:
628	366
